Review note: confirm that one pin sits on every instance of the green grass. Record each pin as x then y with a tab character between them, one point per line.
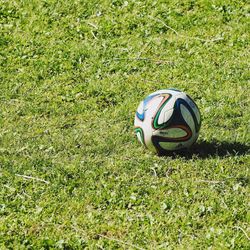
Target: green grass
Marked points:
72	74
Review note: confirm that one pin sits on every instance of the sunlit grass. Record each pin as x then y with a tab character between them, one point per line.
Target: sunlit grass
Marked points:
72	174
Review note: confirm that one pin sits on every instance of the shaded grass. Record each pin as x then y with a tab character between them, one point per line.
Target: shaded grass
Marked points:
203	149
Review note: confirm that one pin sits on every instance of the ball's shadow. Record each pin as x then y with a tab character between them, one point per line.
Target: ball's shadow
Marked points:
204	149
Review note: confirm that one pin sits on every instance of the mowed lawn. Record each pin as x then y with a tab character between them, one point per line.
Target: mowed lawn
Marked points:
72	173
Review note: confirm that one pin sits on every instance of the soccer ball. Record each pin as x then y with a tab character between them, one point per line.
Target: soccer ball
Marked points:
167	120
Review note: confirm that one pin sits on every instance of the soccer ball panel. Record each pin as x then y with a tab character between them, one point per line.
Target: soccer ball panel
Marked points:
194	108
165	115
187	116
140	112
170	145
174	133
140	134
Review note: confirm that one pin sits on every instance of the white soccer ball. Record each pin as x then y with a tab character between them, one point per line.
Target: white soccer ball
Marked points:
167	120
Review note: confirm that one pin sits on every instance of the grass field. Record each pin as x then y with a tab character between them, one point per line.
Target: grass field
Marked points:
72	174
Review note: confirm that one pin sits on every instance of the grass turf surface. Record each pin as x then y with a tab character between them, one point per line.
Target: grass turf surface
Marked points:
72	174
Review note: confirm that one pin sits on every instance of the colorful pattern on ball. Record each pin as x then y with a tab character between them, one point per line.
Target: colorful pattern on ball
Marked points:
167	120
